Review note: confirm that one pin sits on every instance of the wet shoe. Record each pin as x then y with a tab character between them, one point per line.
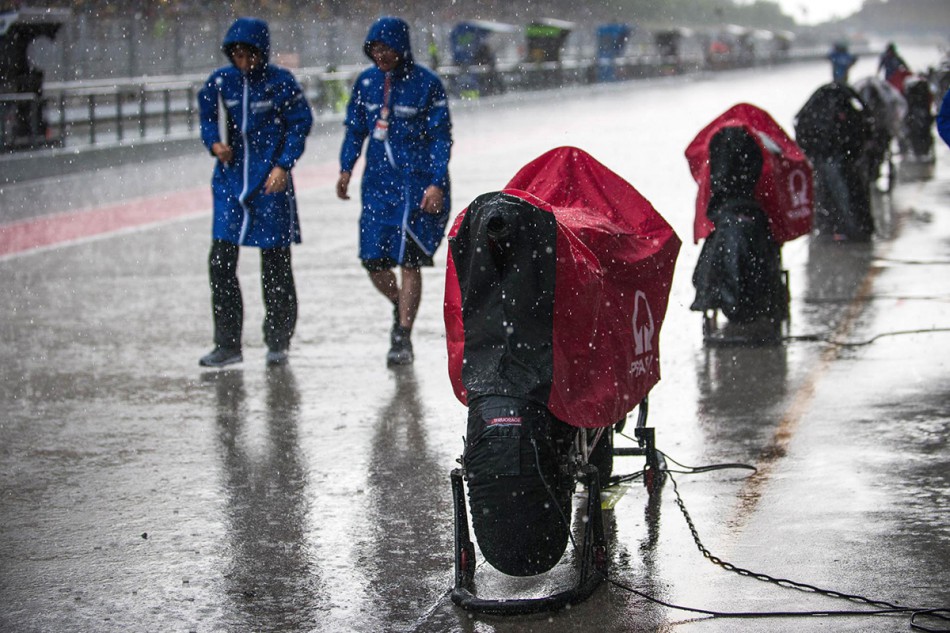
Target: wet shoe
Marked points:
278	356
400	350
221	356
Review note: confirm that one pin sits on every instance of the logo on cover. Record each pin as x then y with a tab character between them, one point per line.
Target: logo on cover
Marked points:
643	330
798	189
643	326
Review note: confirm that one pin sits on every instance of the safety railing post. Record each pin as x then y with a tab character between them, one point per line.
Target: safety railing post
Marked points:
190	108
167	110
118	114
62	117
142	123
36	133
3	124
92	119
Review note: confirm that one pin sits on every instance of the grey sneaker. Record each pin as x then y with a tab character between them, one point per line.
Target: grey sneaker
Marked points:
277	356
400	350
221	356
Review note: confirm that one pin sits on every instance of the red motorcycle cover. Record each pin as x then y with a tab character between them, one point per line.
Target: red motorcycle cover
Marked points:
785	189
556	289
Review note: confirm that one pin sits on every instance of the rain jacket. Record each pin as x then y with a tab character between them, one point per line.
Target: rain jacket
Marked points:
265	118
943	119
414	156
841	62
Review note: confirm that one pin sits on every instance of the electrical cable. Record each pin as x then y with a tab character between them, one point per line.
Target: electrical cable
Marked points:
882	607
914	262
885	334
557	504
842	300
822	339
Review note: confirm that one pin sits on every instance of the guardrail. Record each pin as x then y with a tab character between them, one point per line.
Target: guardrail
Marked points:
77	114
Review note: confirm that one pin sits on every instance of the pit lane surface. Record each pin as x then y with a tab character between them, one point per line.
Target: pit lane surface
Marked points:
140	493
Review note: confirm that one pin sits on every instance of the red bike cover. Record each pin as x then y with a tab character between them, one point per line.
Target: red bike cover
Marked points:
785	189
555	291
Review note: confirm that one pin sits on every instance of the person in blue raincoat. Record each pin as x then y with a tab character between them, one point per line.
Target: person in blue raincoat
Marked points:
254	121
401	107
841	62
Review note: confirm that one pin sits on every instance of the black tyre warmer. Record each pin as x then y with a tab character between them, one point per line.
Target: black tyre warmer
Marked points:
505	256
519	491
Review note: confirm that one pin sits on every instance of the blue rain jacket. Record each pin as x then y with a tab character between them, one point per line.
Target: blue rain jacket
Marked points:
943	119
414	156
265	118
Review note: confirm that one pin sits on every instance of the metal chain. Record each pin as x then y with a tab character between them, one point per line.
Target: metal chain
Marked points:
782	582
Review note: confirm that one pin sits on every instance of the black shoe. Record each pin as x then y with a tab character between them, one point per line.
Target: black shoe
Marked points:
400	350
277	356
221	356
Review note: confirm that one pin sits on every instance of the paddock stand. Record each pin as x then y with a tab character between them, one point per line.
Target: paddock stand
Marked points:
653	471
593	557
747	334
593	560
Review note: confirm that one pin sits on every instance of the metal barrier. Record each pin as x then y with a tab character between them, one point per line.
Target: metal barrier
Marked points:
78	114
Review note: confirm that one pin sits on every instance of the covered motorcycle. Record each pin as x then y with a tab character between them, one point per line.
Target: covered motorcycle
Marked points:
755	193
556	289
887	108
834	128
918	124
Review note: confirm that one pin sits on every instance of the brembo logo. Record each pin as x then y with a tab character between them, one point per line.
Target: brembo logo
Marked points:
643	330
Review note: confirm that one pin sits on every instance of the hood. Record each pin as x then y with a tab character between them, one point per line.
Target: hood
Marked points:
394	33
249	31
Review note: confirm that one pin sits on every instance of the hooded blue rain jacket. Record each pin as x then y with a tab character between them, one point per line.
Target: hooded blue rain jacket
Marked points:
414	155
265	118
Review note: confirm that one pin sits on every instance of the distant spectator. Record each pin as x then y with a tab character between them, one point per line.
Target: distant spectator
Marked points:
894	67
841	62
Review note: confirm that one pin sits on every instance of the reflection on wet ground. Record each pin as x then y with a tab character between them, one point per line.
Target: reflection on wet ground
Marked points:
139	494
271	578
405	511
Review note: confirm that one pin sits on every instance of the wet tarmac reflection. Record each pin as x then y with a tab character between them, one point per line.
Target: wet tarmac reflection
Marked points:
407	555
836	274
270	580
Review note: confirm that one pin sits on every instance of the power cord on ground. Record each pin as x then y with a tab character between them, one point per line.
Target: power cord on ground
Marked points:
938	617
823	339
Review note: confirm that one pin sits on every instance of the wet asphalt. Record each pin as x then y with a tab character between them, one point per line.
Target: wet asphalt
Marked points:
139	492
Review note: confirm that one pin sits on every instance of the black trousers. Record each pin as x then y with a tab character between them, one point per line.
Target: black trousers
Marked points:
280	296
